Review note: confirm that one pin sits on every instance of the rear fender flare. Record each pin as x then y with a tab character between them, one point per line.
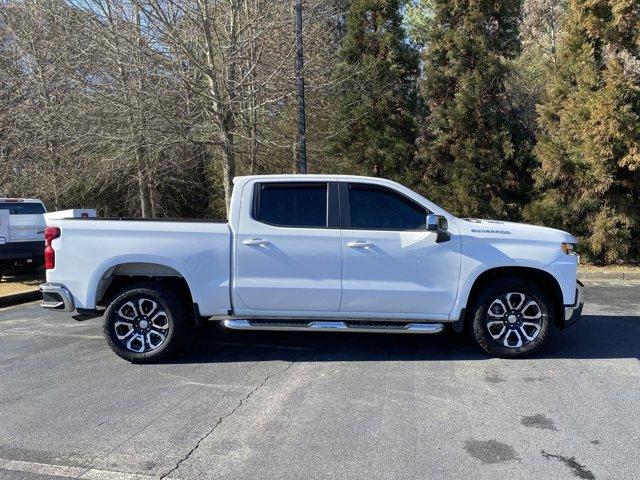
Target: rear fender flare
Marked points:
98	280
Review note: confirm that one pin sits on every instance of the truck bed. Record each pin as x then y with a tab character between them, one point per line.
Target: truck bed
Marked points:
197	250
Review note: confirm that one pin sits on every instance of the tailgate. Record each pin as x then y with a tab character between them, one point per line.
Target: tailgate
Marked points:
26	228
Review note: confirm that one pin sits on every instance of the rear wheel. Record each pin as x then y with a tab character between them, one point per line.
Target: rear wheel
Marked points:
512	318
145	323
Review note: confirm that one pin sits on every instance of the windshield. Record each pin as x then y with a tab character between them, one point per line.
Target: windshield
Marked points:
19	208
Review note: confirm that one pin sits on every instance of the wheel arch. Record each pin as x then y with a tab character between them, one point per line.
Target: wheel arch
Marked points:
544	280
117	276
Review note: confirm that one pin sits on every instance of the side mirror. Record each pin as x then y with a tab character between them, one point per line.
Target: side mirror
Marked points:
438	224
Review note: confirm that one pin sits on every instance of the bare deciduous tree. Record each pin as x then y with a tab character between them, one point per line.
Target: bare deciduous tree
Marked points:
542	23
150	107
224	41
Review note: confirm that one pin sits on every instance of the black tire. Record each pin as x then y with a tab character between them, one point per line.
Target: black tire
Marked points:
487	325
175	329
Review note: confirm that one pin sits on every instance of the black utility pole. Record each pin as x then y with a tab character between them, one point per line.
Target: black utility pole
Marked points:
302	126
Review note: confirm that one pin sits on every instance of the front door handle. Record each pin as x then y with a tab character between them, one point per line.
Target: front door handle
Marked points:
256	241
360	244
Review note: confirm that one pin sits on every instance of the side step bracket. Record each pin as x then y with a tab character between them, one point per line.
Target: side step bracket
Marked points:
334	326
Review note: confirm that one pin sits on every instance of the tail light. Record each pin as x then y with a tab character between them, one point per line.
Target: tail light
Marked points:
50	233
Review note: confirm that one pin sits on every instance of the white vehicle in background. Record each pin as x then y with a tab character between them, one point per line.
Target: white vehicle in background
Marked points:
315	253
22	227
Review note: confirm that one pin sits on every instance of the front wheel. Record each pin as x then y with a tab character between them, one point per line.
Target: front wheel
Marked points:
145	323
512	318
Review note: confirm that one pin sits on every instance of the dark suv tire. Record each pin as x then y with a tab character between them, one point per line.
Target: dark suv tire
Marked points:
512	318
145	323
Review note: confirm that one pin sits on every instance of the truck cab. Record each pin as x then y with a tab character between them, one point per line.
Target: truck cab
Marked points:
351	247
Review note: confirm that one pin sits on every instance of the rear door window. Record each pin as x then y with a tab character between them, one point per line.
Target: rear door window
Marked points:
292	204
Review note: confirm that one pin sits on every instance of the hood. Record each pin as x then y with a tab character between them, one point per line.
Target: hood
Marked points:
498	229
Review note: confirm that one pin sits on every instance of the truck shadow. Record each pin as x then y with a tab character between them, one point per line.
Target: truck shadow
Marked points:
595	336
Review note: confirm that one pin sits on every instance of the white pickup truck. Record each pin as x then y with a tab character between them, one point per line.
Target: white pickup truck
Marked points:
21	234
315	252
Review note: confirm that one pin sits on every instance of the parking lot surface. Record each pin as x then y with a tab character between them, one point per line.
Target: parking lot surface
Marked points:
243	405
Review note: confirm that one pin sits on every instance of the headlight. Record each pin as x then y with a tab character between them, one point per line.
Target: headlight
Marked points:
569	249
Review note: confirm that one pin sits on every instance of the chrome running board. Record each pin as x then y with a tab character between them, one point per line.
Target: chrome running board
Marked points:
334	326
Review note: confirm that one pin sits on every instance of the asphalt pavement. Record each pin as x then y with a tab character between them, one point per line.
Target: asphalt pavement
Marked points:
245	405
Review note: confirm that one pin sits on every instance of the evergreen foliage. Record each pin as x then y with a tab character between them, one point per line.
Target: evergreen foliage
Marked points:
589	147
474	155
376	106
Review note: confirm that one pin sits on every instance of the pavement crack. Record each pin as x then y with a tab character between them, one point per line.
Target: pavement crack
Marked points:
223	418
578	470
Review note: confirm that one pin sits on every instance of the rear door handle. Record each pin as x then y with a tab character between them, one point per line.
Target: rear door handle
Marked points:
256	241
360	244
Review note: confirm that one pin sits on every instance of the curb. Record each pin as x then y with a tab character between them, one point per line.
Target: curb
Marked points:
18	298
609	275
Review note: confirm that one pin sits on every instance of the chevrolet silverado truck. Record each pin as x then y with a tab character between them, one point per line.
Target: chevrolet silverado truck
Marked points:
315	253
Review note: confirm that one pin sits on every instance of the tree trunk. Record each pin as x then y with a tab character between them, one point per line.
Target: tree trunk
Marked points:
228	160
252	107
302	126
146	207
154	199
143	188
56	193
228	121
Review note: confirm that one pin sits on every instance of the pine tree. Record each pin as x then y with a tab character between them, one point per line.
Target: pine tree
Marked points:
474	153
589	148
375	112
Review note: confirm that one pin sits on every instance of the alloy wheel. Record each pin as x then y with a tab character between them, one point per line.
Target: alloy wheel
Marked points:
142	325
514	320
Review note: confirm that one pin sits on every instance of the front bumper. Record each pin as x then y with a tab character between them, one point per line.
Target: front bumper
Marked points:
56	296
572	313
